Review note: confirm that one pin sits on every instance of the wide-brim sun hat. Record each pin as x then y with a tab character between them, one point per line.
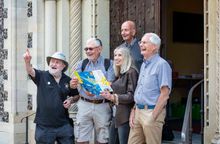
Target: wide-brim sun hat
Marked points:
59	56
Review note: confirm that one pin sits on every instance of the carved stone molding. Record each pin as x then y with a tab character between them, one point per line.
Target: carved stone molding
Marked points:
29	8
5	33
30	104
75	43
30	40
5	13
3	55
75	33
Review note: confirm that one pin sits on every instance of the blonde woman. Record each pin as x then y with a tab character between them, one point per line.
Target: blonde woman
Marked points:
123	94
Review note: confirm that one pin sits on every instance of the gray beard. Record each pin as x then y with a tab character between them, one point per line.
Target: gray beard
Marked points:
55	73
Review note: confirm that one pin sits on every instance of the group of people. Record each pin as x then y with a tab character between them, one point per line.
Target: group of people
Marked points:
133	113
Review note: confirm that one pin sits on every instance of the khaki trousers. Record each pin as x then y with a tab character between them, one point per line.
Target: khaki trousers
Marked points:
146	130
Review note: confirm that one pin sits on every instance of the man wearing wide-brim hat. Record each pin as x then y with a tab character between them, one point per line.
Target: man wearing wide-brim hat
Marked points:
52	119
59	56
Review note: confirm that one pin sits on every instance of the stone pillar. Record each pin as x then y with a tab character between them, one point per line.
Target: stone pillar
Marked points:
211	72
75	34
63	24
15	105
95	22
50	23
103	25
216	138
36	18
3	57
75	22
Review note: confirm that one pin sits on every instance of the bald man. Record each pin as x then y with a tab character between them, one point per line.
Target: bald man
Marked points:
128	31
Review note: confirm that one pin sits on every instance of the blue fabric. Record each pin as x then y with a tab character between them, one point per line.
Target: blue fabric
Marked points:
140	106
154	74
119	135
48	135
135	52
98	65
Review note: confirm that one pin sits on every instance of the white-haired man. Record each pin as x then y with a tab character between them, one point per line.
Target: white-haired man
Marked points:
151	94
52	119
94	111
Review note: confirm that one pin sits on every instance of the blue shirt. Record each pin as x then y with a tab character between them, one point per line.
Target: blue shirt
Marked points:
98	65
154	74
135	52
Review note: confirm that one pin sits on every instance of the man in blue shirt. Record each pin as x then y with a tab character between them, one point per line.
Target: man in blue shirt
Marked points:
128	31
151	94
94	111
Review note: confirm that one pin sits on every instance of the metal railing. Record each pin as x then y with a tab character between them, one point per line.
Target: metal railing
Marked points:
26	117
186	133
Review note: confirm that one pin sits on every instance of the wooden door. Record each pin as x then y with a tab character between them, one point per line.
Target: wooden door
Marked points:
145	13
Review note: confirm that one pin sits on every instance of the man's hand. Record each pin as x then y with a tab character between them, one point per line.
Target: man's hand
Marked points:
67	103
27	56
131	119
74	98
74	83
106	94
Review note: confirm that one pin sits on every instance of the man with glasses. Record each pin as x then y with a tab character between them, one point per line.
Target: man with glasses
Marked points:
94	111
128	31
151	94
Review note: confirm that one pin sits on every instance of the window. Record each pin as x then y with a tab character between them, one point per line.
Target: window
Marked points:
188	27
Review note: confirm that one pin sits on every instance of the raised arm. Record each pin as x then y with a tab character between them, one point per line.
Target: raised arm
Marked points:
27	60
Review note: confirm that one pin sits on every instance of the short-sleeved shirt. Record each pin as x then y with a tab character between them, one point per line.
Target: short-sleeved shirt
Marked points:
98	65
50	97
135	52
154	74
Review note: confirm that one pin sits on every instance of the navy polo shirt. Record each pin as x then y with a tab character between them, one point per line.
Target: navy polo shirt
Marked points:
50	97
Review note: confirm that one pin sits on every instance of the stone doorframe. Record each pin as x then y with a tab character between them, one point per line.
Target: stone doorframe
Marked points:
211	71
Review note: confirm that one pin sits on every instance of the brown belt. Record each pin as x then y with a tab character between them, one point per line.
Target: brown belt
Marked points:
95	101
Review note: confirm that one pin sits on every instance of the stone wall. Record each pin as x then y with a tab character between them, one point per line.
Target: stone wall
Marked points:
3	56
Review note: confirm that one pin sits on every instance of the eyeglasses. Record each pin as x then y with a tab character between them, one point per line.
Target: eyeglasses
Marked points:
90	48
142	42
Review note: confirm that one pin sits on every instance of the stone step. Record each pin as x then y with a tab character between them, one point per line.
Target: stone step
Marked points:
196	138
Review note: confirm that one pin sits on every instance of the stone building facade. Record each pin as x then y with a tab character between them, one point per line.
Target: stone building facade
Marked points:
46	26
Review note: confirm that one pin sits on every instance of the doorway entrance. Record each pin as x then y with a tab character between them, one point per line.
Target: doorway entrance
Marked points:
182	34
180	25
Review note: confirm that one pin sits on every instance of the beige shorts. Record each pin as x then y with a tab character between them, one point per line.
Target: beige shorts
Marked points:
89	117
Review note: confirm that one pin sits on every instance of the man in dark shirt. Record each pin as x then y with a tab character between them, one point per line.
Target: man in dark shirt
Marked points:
128	31
52	119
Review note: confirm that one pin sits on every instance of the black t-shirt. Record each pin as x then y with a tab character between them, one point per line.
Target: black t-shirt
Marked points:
50	97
